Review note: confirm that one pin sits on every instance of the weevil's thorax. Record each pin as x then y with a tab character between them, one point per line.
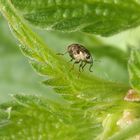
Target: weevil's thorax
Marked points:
79	53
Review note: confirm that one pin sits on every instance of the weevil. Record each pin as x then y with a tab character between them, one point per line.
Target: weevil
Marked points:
79	54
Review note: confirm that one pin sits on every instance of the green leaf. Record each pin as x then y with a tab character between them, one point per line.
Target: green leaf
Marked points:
134	69
47	62
34	117
16	75
128	132
114	57
90	98
90	16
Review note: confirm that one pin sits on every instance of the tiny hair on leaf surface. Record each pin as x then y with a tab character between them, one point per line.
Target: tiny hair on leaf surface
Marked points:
134	69
90	16
90	98
34	117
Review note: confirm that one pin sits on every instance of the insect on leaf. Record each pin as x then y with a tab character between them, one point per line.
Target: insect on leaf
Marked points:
90	98
46	62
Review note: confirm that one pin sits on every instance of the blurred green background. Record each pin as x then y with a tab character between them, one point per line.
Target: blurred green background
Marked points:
17	76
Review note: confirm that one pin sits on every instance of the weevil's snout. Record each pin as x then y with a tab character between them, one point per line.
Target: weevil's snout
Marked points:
89	59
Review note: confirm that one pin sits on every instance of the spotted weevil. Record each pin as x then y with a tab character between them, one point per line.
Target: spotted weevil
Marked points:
79	54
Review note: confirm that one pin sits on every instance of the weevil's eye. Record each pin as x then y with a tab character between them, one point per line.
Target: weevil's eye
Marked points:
78	51
88	56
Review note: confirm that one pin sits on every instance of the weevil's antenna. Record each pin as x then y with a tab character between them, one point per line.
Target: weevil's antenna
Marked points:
91	67
62	53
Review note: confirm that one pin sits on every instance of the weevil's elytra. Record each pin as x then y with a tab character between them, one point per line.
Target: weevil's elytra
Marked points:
79	54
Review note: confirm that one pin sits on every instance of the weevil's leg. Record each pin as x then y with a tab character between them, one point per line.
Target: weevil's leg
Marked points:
62	53
84	66
76	62
80	66
90	67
